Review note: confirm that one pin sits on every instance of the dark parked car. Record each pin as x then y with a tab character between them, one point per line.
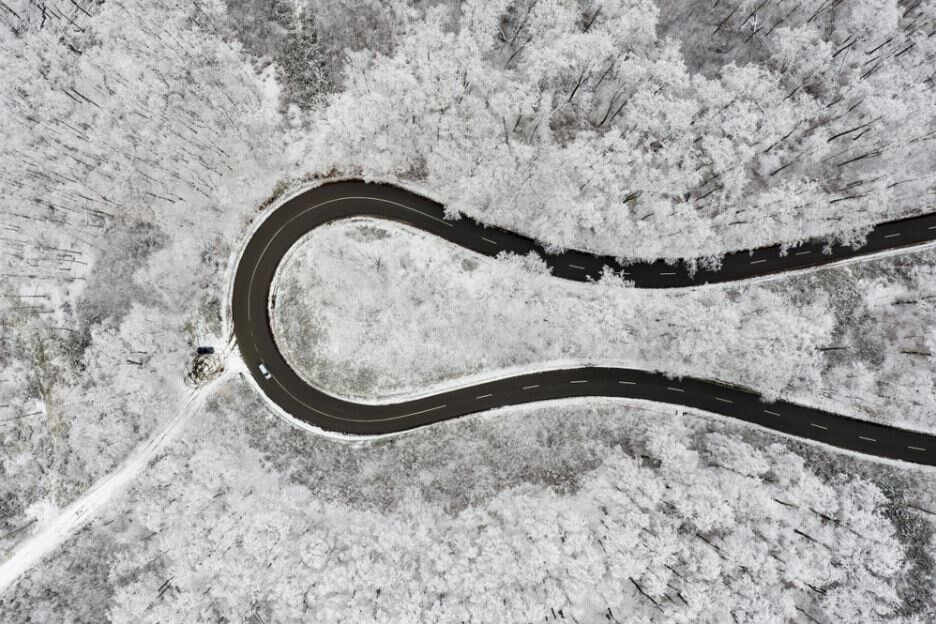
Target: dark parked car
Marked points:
204	350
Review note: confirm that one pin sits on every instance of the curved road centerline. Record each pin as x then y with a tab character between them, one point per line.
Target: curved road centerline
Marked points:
288	223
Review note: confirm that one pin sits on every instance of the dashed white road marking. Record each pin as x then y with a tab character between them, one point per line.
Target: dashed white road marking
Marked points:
574	266
628	383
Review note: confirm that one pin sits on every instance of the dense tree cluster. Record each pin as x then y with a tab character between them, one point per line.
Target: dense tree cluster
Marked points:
880	363
709	531
128	133
579	124
369	308
139	138
366	308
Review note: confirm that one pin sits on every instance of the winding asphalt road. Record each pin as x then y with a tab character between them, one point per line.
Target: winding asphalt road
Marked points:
340	200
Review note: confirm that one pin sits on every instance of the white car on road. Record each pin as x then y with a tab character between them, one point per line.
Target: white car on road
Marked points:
264	371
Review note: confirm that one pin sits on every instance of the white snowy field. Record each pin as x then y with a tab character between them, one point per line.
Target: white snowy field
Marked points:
373	309
574	510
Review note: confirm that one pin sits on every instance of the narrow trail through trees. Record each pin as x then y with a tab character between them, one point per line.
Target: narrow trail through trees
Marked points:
53	534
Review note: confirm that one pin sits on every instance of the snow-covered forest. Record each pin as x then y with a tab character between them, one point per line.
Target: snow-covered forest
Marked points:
370	309
141	140
123	122
653	131
579	512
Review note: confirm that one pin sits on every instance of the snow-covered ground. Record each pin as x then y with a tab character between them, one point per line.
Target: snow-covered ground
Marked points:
370	307
61	524
131	158
373	309
881	361
680	130
513	515
141	139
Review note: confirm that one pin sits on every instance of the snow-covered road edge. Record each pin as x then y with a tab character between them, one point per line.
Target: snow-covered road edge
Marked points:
51	535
